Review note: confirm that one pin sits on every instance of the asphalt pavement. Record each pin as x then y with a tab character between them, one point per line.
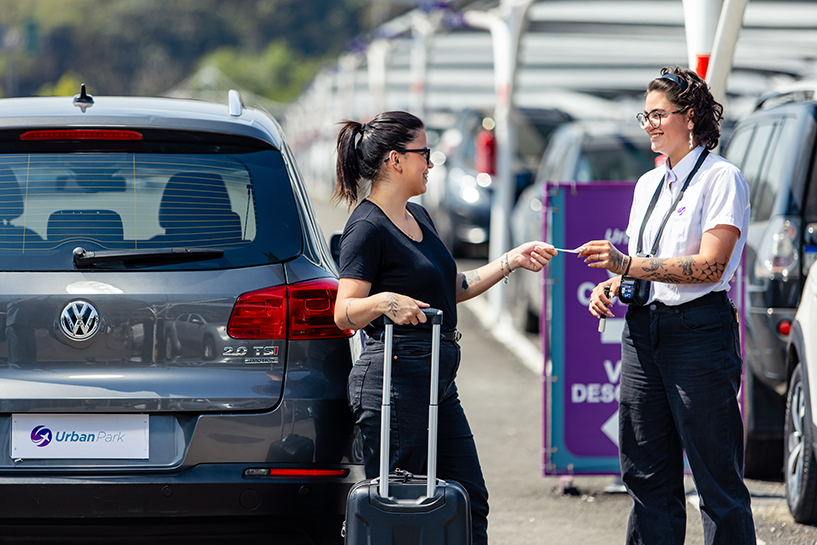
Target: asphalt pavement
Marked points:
500	383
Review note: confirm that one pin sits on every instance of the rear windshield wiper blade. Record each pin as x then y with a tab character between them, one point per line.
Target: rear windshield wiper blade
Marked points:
88	259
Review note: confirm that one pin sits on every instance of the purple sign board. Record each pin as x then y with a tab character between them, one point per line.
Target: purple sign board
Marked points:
582	365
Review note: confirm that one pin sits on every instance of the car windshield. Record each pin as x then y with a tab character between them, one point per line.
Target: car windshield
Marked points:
53	203
615	158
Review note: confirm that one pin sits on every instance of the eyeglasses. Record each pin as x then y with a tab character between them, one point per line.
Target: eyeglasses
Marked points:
424	151
654	118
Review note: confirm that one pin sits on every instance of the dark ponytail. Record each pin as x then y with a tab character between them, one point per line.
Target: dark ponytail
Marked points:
362	148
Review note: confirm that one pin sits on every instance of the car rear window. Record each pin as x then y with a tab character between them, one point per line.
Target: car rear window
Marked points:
169	195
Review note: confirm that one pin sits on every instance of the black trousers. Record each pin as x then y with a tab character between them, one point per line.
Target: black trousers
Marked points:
457	457
681	370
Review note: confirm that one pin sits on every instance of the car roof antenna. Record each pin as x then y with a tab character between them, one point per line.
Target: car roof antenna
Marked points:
83	100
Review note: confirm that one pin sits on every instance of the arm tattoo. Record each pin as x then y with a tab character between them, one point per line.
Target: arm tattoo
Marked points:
692	271
468	279
687	265
711	272
391	302
349	320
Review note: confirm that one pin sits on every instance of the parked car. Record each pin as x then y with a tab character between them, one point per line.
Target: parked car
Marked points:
582	152
460	189
774	146
800	428
168	358
191	335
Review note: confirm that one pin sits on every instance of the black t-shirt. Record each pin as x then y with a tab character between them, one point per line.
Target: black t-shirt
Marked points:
375	250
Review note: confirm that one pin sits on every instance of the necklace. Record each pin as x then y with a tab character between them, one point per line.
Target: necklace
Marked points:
407	230
409	225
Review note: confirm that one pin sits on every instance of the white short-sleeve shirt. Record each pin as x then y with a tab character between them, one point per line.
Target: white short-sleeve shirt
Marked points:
717	195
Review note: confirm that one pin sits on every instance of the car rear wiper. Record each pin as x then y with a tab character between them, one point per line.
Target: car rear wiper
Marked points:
88	259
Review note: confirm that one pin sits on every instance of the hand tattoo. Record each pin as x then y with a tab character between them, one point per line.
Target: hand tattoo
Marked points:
392	305
617	262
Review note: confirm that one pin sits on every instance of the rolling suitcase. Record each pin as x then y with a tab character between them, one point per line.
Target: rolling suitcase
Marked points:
404	509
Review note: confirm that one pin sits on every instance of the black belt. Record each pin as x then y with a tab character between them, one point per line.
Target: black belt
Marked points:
707	299
452	336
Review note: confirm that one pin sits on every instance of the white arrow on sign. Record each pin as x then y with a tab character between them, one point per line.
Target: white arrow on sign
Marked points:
610	428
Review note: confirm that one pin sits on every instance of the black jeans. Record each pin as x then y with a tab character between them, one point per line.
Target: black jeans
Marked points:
681	369
408	447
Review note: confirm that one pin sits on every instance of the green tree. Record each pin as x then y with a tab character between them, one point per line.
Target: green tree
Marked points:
277	73
68	85
145	47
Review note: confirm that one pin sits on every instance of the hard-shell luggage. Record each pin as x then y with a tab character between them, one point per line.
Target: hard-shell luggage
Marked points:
404	509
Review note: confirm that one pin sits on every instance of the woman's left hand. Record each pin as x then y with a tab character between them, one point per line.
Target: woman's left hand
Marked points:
601	254
533	256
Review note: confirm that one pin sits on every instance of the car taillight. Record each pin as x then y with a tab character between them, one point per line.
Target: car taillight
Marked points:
312	310
260	315
81	134
784	327
305	310
778	254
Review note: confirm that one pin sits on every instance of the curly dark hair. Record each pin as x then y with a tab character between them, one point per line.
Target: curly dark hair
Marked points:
707	112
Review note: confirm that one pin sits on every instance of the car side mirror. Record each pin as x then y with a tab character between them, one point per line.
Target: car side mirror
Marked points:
334	247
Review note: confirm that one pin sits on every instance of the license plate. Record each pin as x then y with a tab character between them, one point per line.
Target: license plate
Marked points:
72	436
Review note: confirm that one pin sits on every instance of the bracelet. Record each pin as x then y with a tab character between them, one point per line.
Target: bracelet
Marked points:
502	268
629	262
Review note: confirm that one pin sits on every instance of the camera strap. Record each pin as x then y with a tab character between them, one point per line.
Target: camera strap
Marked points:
678	198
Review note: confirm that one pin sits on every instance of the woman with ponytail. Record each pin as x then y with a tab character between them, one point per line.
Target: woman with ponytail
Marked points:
393	263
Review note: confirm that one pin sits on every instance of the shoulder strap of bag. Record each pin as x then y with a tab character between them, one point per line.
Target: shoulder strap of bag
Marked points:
678	198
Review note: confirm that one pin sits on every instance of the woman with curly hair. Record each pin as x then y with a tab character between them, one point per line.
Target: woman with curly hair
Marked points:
681	363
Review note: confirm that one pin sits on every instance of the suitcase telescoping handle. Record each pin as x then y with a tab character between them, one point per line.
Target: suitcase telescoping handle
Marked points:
436	317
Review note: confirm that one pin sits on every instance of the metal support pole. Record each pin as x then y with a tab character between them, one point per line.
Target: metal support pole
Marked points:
700	22
723	50
506	24
423	27
377	56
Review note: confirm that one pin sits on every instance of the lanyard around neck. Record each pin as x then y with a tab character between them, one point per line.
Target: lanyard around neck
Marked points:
654	201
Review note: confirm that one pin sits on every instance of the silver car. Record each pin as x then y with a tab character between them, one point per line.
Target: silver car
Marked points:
167	344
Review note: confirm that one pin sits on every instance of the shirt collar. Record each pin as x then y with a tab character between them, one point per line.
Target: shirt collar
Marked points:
684	166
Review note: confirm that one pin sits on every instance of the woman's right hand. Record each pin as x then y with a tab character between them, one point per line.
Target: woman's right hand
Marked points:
600	302
402	310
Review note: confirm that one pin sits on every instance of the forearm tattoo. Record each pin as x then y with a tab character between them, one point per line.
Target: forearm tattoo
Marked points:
349	320
468	279
687	270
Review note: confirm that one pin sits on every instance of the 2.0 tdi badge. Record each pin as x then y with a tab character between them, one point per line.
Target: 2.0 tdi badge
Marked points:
79	320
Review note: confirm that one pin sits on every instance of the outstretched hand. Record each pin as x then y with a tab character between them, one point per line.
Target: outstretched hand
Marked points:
601	254
533	256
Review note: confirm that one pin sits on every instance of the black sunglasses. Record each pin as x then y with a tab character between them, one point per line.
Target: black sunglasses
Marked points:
424	151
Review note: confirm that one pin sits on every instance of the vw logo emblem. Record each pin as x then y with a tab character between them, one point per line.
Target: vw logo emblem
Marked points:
79	320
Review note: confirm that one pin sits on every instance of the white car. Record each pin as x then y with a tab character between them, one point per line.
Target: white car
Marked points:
800	431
